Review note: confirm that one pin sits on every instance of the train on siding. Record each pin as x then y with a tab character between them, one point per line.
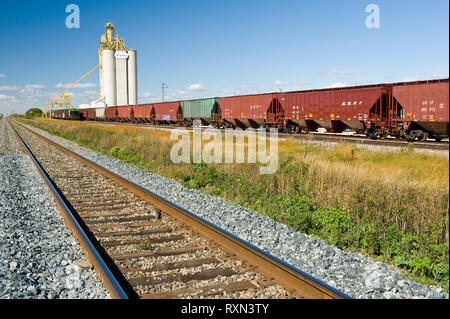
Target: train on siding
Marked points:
407	110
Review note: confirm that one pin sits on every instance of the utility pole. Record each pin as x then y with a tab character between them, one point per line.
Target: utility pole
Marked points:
163	86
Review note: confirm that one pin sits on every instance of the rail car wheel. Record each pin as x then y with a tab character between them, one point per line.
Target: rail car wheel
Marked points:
384	134
410	137
420	135
374	135
424	137
215	124
290	129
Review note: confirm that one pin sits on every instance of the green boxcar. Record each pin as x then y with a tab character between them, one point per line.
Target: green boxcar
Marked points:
205	110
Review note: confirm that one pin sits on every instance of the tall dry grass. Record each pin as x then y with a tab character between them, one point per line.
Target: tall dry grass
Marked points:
417	182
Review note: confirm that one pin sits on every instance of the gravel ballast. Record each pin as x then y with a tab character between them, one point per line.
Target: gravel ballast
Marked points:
38	253
354	274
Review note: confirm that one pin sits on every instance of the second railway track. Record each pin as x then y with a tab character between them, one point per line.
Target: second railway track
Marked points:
317	137
143	246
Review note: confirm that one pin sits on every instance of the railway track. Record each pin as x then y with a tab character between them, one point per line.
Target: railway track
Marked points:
366	141
143	246
325	137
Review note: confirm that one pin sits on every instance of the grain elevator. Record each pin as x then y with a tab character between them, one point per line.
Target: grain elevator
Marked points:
118	70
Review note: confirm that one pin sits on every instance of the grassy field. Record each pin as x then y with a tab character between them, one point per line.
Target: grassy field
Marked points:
392	206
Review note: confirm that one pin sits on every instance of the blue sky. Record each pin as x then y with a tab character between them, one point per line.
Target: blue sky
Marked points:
219	48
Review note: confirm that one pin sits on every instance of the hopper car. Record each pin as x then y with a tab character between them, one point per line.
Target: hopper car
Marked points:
407	110
67	114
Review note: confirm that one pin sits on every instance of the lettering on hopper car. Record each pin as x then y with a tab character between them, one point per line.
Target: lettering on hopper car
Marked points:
207	145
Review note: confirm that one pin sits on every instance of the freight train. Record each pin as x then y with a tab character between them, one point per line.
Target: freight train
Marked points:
72	114
407	110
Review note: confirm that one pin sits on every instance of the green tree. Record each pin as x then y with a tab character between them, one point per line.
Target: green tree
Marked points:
33	112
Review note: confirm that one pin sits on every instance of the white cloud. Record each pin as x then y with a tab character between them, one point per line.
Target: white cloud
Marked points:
196	87
26	88
280	83
177	95
346	72
6	97
241	89
192	91
338	85
409	79
85	96
439	76
34	95
9	88
32	90
26	96
145	97
34	86
2	75
291	83
78	85
90	92
85	85
300	83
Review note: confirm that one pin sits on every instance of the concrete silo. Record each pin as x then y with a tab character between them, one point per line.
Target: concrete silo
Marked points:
132	78
121	77
109	77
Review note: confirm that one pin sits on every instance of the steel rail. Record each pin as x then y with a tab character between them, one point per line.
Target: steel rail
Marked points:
298	282
391	142
110	282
